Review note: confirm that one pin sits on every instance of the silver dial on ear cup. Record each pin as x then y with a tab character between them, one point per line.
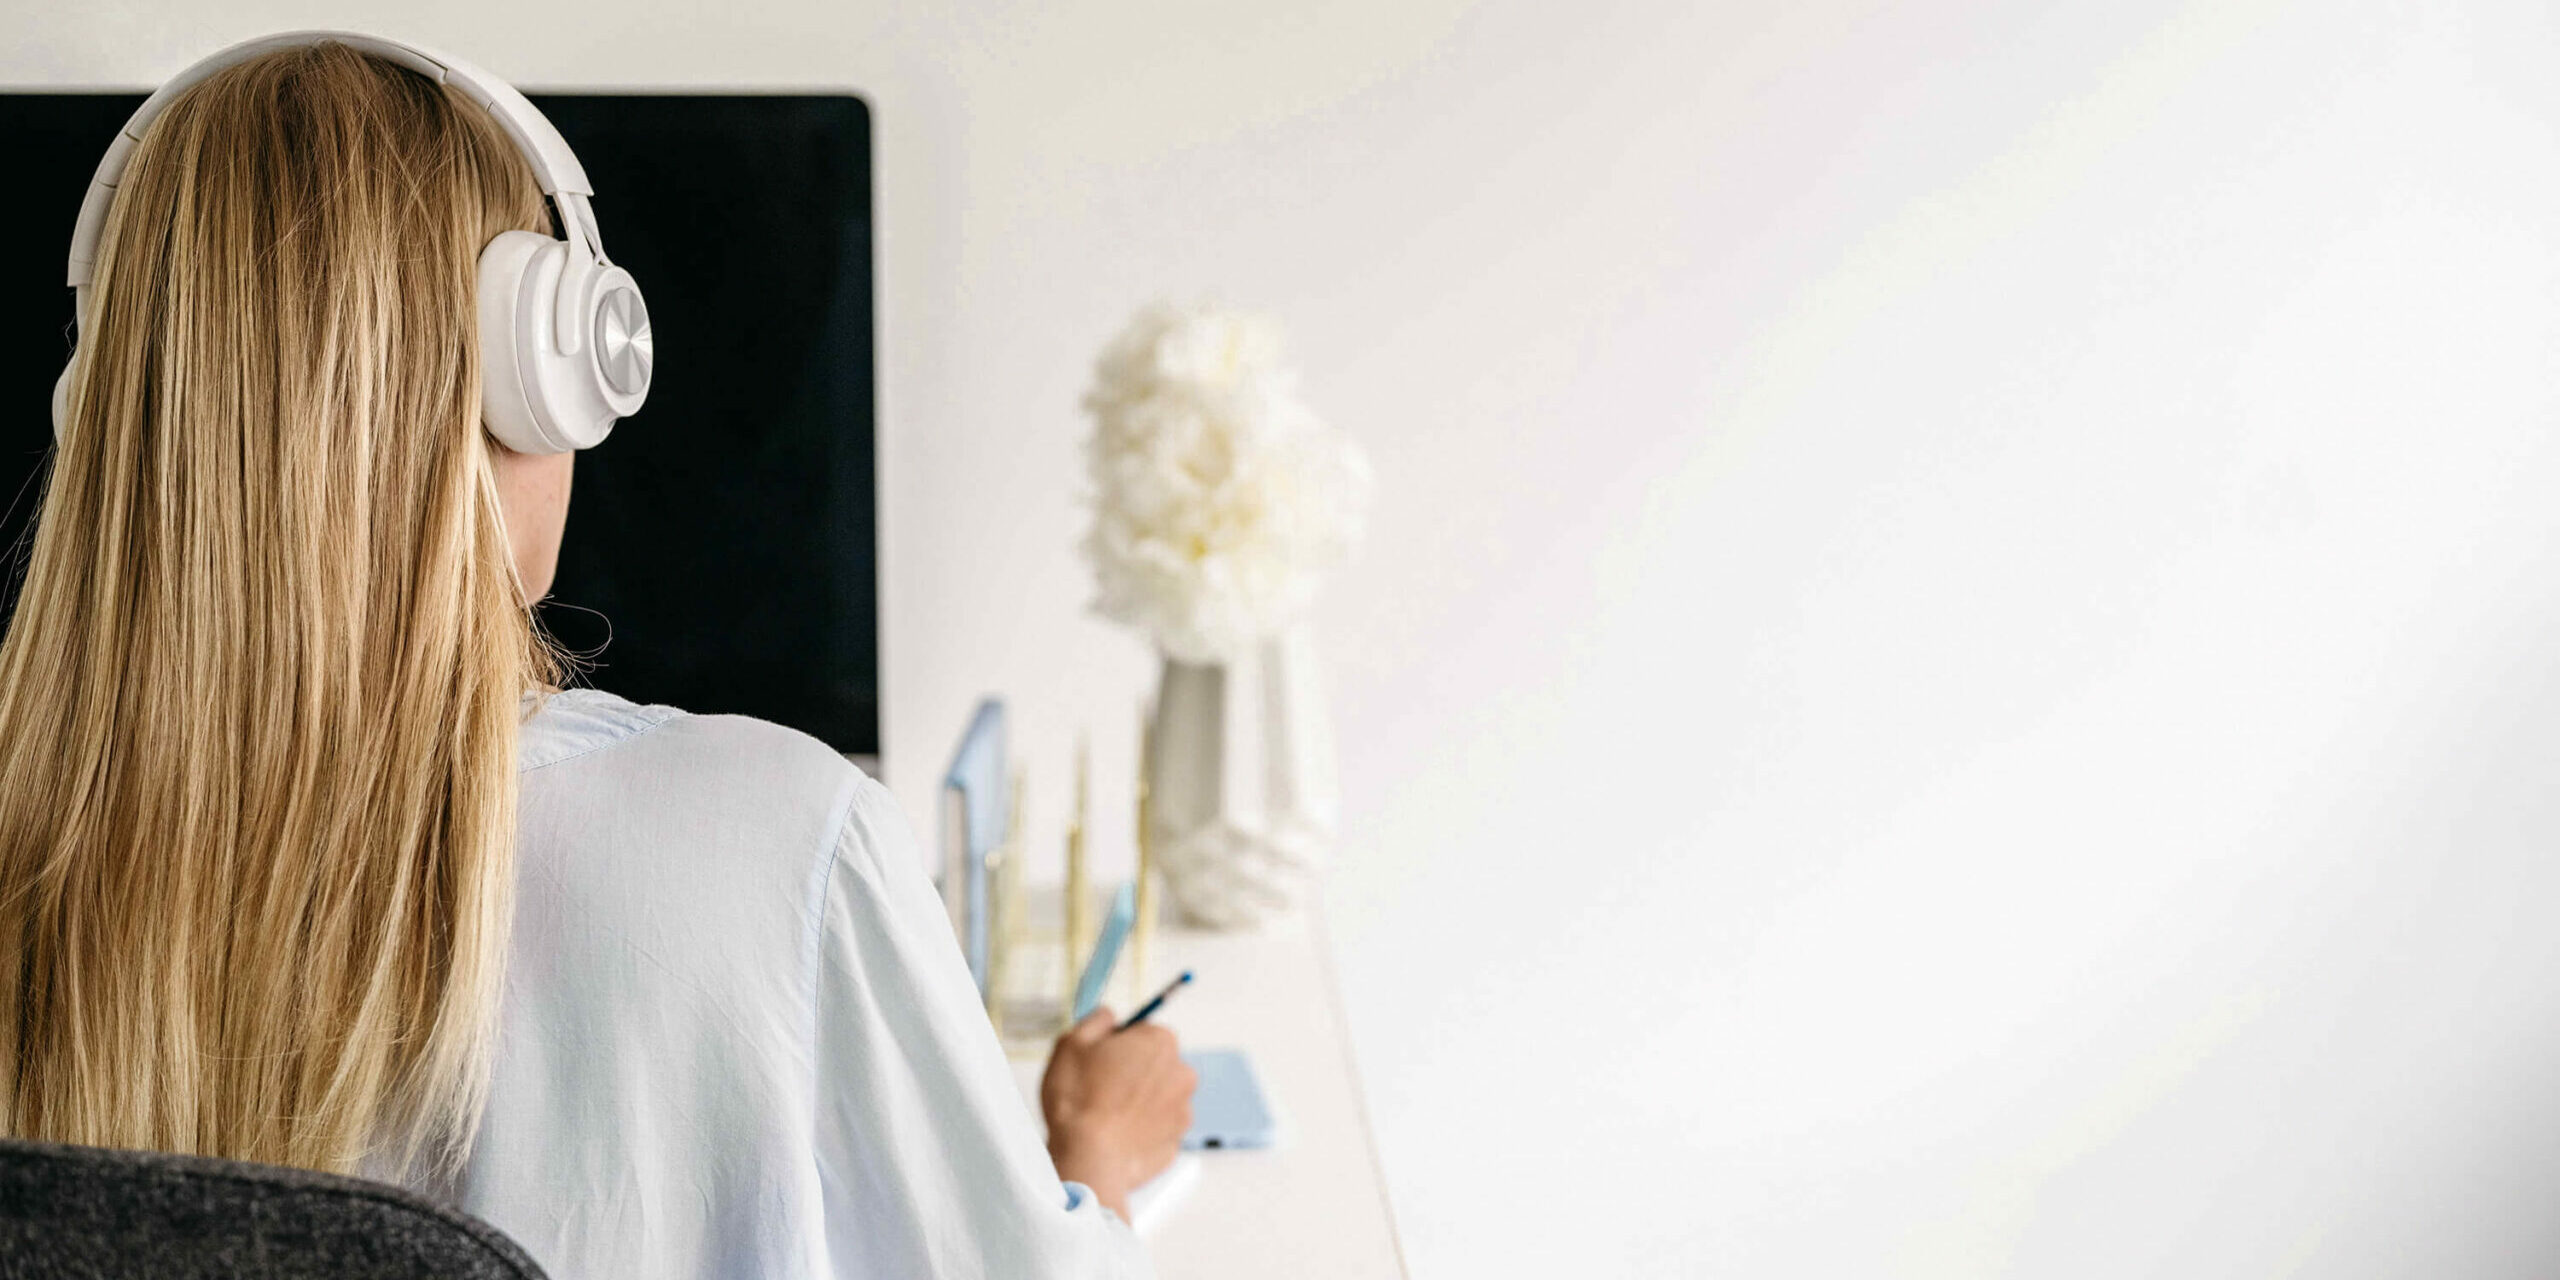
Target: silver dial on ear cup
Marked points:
626	352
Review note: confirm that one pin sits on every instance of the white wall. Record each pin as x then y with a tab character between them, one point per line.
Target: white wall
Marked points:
1956	673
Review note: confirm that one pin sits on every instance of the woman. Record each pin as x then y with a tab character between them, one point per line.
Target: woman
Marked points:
303	860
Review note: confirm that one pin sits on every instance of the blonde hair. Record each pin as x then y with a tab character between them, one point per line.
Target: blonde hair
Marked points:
259	702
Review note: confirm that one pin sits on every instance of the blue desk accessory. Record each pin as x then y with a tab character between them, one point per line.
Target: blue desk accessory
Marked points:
1227	1109
976	786
1106	952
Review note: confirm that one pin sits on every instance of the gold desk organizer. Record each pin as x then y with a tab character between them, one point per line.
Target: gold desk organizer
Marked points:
1038	940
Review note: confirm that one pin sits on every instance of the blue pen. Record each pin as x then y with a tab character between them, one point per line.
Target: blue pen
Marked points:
1148	1009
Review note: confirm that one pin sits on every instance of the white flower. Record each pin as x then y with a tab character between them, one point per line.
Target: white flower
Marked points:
1220	500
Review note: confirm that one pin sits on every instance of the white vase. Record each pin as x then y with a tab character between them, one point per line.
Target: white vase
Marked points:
1241	793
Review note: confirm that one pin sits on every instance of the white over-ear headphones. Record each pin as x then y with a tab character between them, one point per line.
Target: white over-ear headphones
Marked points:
565	347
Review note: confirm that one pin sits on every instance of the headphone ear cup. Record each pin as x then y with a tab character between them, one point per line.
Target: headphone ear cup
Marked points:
516	268
533	398
62	399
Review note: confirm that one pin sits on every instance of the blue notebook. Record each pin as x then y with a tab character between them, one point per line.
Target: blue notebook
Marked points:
1106	951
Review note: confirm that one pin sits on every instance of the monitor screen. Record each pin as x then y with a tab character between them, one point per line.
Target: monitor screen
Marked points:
720	552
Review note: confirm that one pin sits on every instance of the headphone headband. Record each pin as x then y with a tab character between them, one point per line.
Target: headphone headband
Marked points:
555	167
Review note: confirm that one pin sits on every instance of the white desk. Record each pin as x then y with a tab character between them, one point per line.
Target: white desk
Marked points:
1314	1206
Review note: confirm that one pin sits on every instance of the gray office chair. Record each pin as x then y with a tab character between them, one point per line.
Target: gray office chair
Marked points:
84	1213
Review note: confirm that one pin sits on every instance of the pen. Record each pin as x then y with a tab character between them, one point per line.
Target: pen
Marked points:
1148	1009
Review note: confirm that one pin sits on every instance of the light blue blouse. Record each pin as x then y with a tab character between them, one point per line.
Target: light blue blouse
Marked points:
737	1038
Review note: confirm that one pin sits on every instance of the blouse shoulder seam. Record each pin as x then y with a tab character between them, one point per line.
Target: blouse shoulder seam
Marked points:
813	930
641	730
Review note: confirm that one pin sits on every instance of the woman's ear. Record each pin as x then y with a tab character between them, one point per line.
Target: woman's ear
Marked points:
533	496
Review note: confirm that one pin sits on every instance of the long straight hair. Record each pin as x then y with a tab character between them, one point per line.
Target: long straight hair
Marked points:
259	701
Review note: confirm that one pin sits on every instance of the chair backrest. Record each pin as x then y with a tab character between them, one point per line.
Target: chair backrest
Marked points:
106	1215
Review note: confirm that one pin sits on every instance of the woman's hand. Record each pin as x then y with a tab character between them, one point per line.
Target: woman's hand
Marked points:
1118	1103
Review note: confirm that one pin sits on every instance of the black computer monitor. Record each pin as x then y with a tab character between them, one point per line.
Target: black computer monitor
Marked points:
721	546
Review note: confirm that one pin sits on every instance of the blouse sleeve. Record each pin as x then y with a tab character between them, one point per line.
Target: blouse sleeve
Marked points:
929	1159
